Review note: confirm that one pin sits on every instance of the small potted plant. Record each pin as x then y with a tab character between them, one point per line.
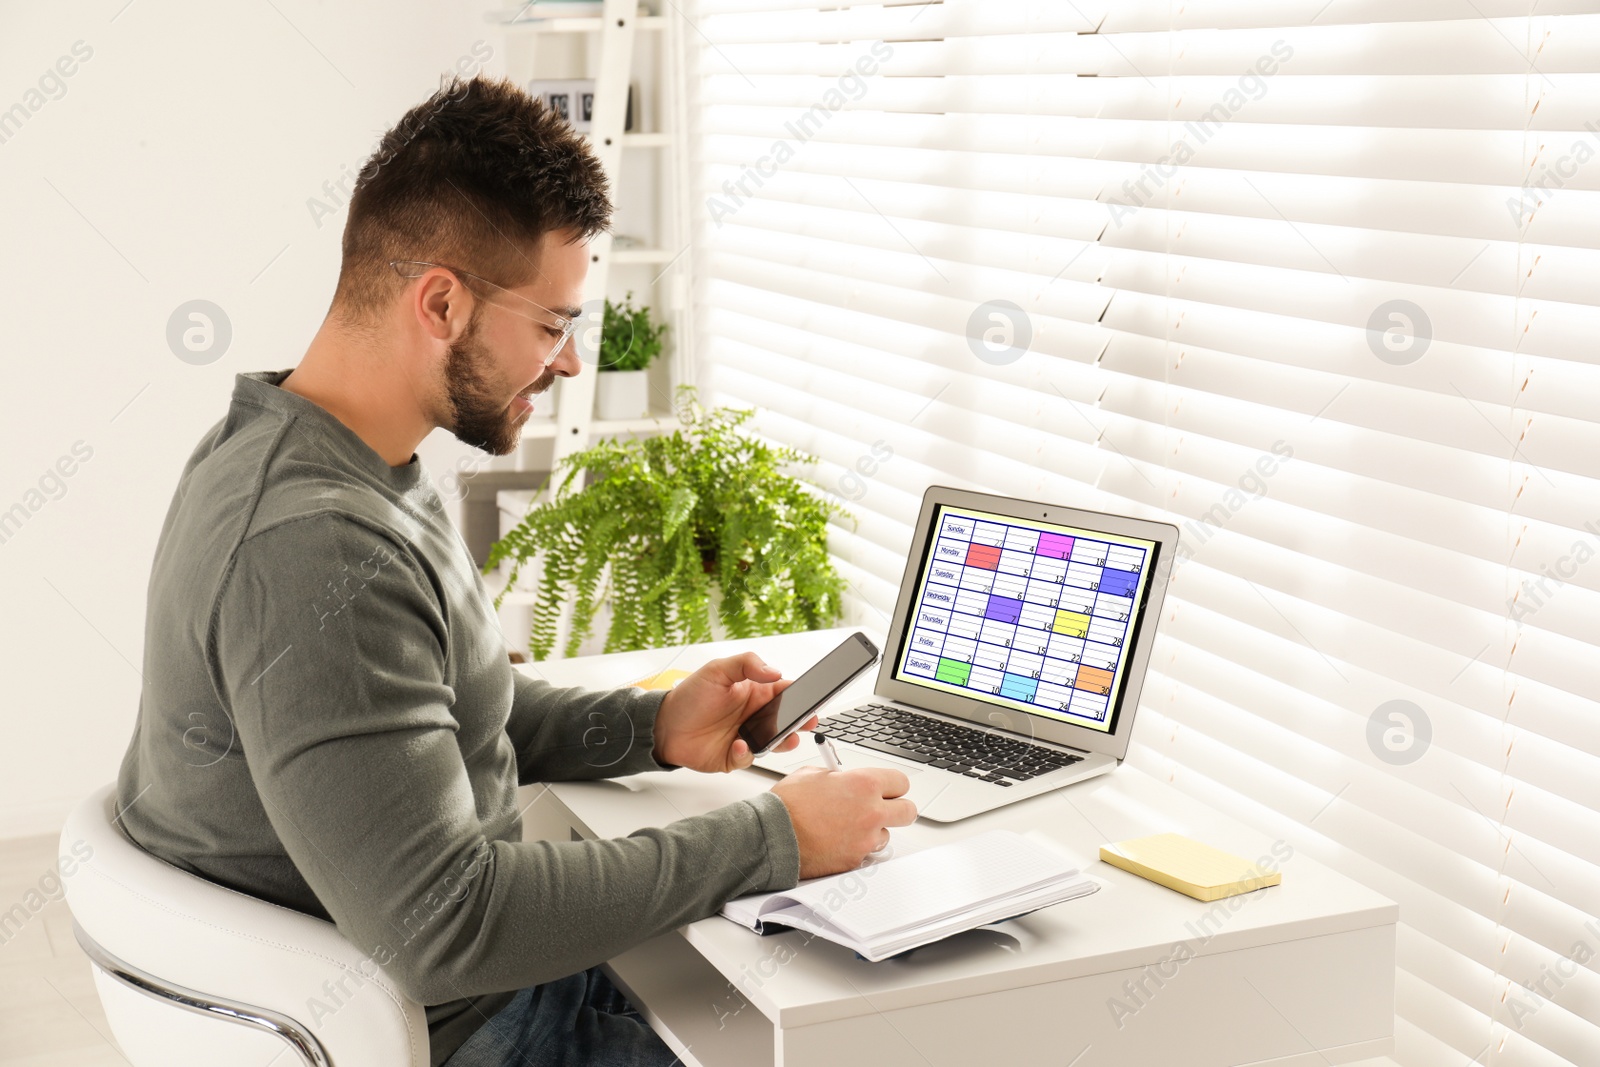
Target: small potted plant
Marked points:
675	532
629	343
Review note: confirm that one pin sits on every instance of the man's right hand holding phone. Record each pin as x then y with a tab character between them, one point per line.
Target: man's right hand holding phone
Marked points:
840	817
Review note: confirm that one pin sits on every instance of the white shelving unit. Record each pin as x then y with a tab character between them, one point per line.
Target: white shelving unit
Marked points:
587	24
627	45
546	428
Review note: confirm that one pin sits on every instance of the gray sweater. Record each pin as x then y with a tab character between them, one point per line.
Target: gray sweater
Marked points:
329	721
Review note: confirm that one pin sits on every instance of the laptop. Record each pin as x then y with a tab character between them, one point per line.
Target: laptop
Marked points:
1015	657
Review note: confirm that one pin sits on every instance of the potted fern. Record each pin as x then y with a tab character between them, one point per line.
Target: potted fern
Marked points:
682	535
629	343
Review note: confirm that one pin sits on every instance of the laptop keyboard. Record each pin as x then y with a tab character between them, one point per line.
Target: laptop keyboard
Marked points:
940	743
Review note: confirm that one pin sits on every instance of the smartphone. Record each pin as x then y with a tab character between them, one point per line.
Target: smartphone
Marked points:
784	713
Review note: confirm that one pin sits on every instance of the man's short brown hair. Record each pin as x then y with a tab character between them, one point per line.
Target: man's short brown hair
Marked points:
472	177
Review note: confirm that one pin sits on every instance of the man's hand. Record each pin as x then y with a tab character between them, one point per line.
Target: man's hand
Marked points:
698	723
841	816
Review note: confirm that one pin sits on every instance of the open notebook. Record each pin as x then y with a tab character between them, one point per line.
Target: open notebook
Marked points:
893	905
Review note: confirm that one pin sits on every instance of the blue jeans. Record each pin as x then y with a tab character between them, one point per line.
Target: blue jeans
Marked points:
581	1020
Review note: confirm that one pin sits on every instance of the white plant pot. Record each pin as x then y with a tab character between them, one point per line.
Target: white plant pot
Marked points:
622	394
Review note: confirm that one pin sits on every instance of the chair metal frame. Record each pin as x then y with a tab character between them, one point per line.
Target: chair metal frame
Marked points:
300	1040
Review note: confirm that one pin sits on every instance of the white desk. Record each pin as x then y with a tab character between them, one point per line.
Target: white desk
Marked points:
1298	974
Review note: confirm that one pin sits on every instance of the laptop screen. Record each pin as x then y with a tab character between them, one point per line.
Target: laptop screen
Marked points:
1026	615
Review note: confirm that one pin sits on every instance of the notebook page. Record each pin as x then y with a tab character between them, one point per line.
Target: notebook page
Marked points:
925	886
748	909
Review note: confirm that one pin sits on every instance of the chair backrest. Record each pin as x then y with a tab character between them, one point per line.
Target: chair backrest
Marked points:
167	928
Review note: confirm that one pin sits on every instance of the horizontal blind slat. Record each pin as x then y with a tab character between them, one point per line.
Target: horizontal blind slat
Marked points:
1209	257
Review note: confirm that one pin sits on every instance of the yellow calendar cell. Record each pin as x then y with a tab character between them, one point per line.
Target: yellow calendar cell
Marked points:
1071	623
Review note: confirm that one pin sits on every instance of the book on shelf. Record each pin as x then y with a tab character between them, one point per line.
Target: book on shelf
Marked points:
897	904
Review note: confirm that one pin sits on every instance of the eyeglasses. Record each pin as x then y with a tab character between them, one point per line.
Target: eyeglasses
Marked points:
415	268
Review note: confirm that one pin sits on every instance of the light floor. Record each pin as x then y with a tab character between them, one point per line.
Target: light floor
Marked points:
49	1014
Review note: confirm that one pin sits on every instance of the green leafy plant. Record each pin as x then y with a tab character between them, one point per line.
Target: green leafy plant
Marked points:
629	340
654	525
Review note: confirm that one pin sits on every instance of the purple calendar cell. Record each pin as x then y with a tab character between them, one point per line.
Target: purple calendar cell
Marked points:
1003	609
1056	546
1118	583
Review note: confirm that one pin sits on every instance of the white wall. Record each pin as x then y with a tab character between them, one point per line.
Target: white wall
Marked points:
176	165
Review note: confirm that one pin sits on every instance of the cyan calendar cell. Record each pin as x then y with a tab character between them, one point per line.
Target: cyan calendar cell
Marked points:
1019	688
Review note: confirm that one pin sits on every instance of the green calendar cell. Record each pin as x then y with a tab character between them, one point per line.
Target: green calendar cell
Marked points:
953	671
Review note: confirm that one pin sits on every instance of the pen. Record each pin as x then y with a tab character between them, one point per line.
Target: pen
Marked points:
829	756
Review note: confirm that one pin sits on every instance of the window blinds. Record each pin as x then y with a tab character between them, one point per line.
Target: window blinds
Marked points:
1318	281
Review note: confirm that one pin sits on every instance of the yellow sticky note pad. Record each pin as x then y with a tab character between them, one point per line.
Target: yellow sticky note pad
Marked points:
1186	865
660	680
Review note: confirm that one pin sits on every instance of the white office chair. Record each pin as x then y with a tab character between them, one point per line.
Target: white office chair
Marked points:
193	975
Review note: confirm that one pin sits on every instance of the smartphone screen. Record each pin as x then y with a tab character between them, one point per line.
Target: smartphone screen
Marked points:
811	690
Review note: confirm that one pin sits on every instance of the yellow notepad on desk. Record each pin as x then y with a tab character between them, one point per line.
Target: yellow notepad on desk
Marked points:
1186	865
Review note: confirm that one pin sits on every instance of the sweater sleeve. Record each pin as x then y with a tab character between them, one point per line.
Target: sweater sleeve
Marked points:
568	734
346	722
